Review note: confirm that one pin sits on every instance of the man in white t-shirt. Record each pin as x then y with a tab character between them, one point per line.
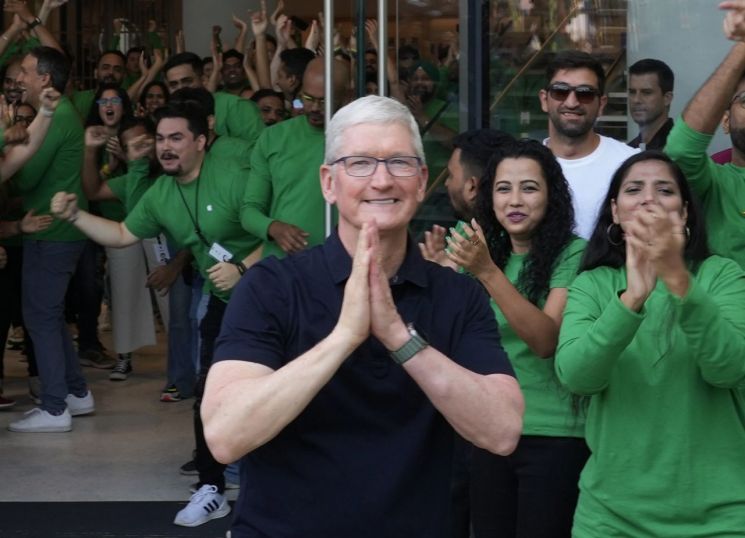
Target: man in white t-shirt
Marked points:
573	99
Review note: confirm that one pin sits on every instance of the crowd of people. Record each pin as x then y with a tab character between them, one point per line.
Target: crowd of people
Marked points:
568	360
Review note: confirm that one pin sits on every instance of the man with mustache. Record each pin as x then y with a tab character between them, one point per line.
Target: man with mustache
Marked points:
650	94
197	204
573	99
111	68
283	202
720	187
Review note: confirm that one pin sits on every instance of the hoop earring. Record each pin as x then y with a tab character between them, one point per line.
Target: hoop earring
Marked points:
608	232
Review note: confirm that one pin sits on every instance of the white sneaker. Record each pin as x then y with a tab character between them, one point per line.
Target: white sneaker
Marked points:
204	505
39	421
80	406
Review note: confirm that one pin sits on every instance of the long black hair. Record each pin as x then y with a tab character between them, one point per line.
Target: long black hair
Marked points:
551	235
611	252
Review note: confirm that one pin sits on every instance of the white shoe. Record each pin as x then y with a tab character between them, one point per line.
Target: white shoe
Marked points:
39	421
204	505
80	406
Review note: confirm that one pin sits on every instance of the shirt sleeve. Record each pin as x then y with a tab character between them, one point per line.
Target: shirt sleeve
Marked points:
688	148
244	121
568	264
142	220
594	333
258	193
254	324
713	320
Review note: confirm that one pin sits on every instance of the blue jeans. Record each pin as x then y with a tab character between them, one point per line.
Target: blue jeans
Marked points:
47	269
181	339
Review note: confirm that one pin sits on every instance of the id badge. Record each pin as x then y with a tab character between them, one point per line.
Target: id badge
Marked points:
220	253
161	252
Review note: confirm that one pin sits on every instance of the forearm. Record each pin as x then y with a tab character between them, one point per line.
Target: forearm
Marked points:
18	155
242	414
47	39
534	327
240	40
274	66
91	179
103	231
486	410
8	37
262	64
9	228
704	112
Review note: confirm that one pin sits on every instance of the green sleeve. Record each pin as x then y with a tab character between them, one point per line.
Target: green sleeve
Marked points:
568	264
118	186
713	319
258	193
688	148
2	138
238	117
594	333
142	221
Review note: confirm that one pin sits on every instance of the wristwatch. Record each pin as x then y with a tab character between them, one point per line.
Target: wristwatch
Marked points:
413	346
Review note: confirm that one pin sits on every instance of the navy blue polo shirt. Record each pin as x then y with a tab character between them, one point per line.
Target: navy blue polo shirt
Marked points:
370	456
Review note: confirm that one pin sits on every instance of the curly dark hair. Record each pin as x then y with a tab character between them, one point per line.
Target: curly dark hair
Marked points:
601	252
551	235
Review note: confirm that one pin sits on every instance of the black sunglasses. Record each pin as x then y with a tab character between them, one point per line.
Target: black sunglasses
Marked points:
561	91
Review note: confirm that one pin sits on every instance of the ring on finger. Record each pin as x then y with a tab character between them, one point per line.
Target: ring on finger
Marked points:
474	240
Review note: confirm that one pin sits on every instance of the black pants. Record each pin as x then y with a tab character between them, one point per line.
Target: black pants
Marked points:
531	493
210	470
84	295
10	313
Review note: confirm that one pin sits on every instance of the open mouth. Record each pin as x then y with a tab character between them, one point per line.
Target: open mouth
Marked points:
382	201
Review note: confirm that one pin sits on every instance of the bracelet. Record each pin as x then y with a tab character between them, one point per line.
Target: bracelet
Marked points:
241	267
34	23
5	37
74	216
46	112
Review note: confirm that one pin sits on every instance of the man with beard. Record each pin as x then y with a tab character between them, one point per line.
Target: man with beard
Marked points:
573	99
11	90
720	187
283	202
471	153
111	69
233	76
271	105
233	116
197	204
650	94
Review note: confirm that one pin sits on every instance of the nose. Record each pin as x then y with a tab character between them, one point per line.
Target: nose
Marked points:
380	178
649	196
571	100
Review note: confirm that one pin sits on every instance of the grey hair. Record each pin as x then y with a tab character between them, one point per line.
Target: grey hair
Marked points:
370	109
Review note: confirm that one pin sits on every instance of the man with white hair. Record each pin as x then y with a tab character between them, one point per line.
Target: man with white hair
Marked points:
342	372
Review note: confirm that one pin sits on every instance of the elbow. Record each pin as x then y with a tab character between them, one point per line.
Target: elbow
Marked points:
545	351
225	445
504	438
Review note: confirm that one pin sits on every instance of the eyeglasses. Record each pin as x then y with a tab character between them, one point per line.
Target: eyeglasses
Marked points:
320	101
739	98
360	166
584	94
110	101
26	120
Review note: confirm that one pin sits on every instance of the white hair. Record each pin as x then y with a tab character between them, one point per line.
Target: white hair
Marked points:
372	109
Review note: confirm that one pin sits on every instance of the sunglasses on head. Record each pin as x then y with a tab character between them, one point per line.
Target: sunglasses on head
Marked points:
561	91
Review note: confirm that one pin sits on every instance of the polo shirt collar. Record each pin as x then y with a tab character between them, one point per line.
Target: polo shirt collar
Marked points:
413	269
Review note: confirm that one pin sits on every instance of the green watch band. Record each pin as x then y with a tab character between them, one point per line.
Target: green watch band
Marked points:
413	346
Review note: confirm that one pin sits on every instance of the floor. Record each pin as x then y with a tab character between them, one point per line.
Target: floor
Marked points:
129	450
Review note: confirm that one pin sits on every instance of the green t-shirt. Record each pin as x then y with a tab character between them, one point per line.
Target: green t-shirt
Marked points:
19	49
130	187
83	101
548	405
720	187
54	168
237	117
284	182
666	417
170	207
230	148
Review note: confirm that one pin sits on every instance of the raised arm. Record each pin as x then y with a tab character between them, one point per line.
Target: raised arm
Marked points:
147	74
258	26
94	187
18	155
240	40
32	23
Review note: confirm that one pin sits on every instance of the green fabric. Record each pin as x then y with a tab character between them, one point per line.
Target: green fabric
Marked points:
284	182
436	151
229	148
720	187
548	406
2	138
130	187
237	117
666	416
83	101
19	49
220	189
54	168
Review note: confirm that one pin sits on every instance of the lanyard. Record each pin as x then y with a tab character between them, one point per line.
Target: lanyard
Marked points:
194	218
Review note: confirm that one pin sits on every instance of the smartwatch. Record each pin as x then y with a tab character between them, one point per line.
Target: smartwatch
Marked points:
413	346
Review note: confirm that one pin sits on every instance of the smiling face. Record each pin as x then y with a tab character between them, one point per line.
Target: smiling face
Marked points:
520	199
233	75
11	90
647	183
154	99
569	117
390	201
110	108
111	68
30	81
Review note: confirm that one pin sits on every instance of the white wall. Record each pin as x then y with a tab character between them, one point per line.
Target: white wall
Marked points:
201	15
685	34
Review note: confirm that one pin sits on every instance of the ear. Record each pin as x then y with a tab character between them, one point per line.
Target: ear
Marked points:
667	98
421	190
725	122
327	183
614	211
201	142
211	122
543	97
470	189
603	102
